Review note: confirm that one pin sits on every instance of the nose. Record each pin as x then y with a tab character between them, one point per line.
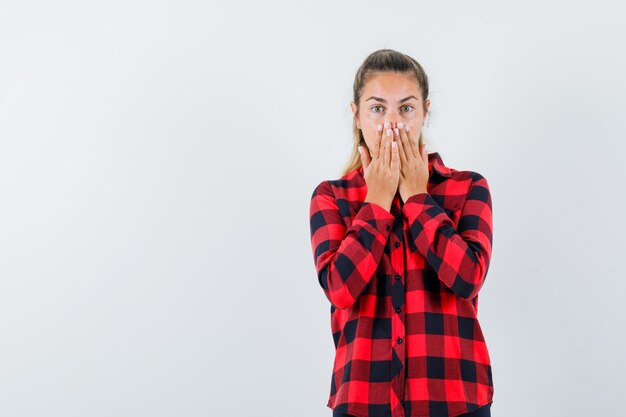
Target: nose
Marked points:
393	118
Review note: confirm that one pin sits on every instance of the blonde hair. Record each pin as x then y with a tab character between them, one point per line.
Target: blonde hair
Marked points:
381	61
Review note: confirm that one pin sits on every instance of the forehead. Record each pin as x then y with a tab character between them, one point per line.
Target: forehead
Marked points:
391	85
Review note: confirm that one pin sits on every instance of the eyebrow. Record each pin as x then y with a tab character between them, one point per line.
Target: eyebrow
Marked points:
382	100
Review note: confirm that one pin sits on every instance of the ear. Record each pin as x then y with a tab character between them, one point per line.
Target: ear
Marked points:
355	109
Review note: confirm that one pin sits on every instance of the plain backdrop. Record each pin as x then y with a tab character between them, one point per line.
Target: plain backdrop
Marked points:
157	160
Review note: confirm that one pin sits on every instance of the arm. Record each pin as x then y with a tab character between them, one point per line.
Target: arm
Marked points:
346	259
460	258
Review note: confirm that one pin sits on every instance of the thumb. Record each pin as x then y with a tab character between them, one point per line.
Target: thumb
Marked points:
365	158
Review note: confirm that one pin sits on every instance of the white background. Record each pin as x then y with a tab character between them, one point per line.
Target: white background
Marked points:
156	164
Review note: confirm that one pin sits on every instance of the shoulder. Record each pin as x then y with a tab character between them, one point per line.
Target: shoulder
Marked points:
460	175
454	187
473	179
470	187
340	187
323	188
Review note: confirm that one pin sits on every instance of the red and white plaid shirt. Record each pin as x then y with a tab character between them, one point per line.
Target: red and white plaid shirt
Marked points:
403	286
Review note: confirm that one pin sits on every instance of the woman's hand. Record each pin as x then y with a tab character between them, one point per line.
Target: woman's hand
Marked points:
413	163
381	169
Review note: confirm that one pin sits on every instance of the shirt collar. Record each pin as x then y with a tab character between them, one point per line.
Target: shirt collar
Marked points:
434	163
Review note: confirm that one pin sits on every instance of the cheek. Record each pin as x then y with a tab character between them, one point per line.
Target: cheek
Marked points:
374	117
416	123
369	132
413	117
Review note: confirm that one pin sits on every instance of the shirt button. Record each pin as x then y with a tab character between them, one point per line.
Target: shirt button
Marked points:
388	227
397	244
399	340
398	277
397	309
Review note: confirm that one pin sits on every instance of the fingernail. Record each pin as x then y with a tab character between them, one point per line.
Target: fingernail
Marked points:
388	132
400	125
406	128
397	131
379	127
387	125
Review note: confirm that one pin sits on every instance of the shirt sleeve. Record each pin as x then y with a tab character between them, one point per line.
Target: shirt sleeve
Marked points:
346	259
459	257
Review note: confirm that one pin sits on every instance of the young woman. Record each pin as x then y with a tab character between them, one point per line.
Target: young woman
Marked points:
401	244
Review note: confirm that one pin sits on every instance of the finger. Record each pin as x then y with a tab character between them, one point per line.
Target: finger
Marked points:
412	141
395	157
406	146
381	154
401	147
379	135
365	158
387	150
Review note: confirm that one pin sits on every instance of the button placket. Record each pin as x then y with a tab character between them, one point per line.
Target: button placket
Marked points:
398	342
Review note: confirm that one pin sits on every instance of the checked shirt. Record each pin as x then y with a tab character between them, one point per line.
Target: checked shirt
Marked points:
403	289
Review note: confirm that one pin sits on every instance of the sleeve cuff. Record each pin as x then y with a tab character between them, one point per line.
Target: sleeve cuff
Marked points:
375	216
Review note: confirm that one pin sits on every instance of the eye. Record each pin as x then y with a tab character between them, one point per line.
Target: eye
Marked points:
409	106
375	107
